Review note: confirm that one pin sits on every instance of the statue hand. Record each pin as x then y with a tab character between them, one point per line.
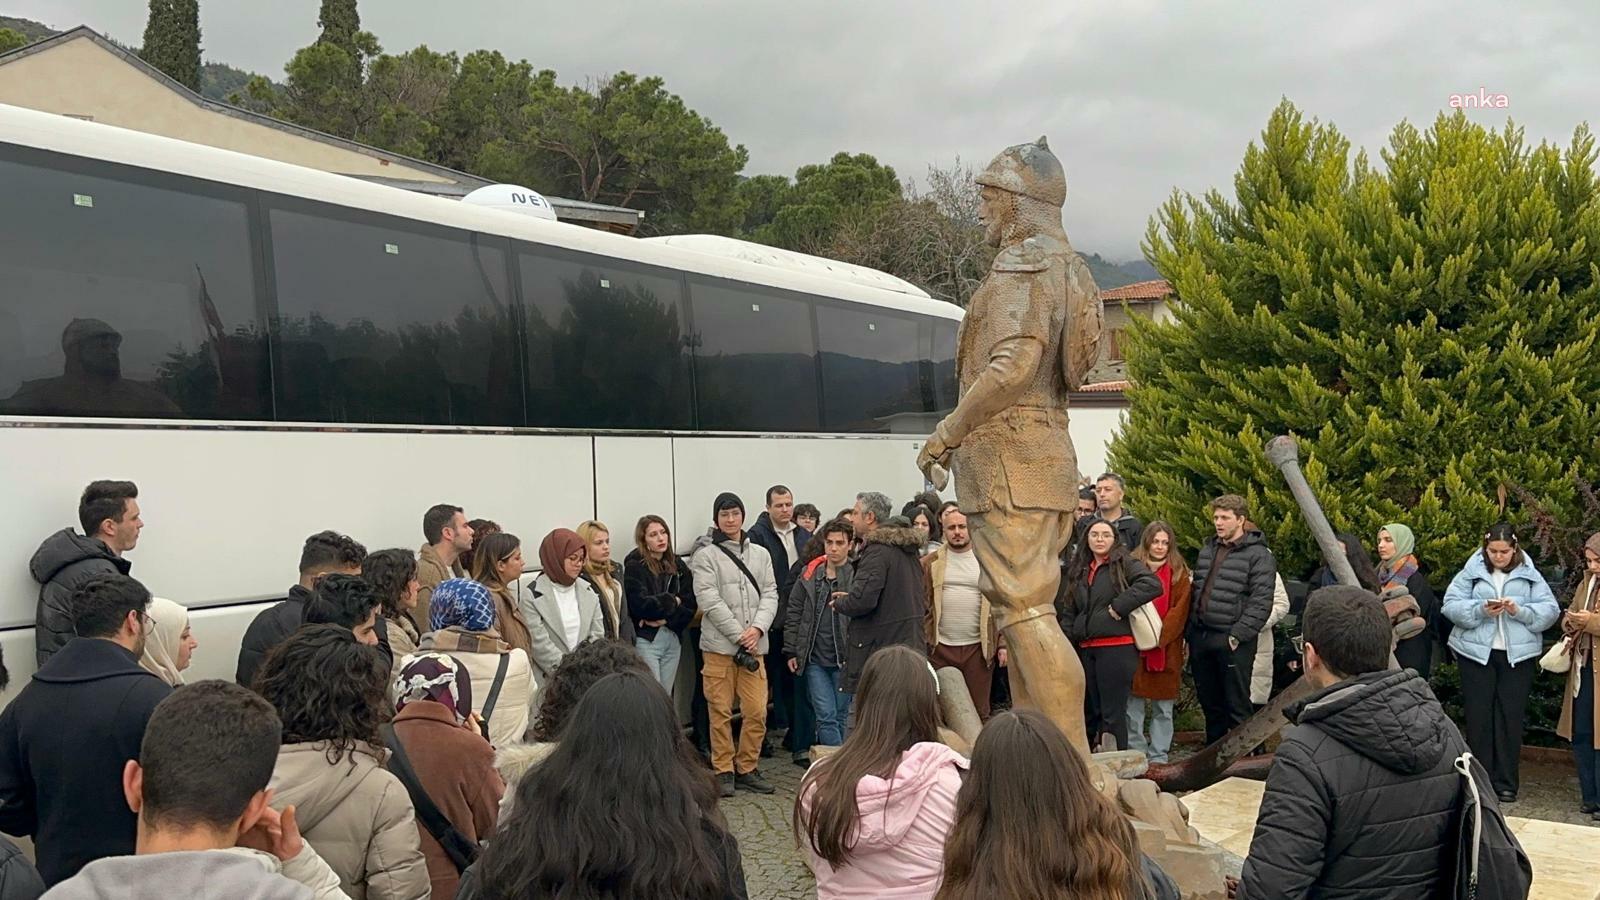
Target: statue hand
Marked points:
934	454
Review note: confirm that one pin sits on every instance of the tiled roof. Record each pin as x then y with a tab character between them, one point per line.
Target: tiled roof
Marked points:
1104	387
1155	289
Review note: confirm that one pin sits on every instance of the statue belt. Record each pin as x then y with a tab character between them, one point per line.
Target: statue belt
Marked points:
1018	417
1004	619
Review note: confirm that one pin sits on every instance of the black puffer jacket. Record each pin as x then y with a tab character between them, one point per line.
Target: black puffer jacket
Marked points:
1361	796
886	602
64	561
271	627
1084	606
653	597
1240	602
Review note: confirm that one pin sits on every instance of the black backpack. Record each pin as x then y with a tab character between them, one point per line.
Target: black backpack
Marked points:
1488	862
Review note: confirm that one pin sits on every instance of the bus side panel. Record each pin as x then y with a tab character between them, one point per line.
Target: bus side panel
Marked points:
633	477
226	512
826	472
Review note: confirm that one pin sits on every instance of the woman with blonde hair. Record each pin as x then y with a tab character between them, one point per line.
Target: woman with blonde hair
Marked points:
169	644
1160	673
605	576
1029	823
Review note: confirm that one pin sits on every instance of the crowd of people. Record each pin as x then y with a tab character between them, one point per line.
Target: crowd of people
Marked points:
435	724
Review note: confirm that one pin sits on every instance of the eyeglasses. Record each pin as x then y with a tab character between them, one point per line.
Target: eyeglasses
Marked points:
1299	644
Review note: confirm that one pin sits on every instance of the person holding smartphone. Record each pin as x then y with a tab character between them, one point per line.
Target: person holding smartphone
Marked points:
1500	606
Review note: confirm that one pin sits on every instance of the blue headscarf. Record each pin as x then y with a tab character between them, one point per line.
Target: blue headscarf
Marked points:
463	602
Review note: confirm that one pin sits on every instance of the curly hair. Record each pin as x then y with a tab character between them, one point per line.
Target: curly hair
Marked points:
327	686
389	572
591	661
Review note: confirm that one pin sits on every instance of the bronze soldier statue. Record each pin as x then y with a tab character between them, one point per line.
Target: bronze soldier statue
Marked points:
1032	331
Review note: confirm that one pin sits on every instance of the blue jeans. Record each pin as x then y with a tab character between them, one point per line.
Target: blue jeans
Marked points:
1160	728
831	705
661	656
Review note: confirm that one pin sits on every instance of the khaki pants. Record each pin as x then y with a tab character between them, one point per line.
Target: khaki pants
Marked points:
723	680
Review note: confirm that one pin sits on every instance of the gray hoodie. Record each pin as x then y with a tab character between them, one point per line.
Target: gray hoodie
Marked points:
233	874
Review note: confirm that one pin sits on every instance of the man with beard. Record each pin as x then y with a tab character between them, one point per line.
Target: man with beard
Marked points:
960	623
66	737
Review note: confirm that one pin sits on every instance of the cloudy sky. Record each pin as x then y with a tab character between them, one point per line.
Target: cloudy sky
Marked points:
1136	96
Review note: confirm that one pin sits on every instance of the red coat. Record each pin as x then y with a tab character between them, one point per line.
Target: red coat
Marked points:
1163	685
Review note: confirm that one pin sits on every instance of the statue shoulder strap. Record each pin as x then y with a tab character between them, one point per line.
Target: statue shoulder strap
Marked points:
1027	256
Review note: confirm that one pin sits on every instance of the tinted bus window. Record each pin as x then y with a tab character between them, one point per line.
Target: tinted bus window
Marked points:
120	297
871	370
389	321
606	345
755	358
945	391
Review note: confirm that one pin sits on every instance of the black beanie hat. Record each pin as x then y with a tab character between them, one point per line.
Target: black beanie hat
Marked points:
726	500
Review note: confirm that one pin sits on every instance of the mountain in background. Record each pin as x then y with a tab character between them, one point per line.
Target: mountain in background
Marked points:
1108	275
217	80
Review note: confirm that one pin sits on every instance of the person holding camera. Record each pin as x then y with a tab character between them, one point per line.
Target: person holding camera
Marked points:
736	590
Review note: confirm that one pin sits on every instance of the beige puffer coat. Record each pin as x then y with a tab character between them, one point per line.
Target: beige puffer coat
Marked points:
357	816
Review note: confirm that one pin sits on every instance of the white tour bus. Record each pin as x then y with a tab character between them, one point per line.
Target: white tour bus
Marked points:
269	351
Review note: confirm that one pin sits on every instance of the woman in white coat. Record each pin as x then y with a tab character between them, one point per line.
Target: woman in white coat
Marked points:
562	611
1261	669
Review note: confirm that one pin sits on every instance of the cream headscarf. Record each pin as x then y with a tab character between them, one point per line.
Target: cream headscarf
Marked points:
161	644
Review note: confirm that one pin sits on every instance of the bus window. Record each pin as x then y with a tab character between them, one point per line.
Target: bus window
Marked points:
871	370
123	298
755	358
606	343
384	320
944	365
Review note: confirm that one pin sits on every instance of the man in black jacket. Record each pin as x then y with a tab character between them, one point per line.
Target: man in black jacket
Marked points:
777	532
1233	582
66	737
1361	799
109	514
1109	491
324	553
886	602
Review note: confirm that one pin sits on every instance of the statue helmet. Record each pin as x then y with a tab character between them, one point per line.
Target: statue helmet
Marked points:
1030	170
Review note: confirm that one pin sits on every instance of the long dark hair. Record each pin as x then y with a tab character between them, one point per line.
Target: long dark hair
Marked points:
1503	532
1356	553
668	563
1029	822
327	686
488	552
621	809
897	705
481	528
1116	560
389	572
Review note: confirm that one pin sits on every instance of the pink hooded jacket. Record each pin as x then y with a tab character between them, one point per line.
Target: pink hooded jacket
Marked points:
903	821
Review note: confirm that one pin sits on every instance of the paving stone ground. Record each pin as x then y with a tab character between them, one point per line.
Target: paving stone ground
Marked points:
773	867
775	870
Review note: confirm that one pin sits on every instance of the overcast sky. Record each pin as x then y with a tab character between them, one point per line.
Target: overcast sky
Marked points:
1137	97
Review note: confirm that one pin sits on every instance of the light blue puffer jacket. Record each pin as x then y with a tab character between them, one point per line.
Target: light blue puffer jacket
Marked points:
1474	633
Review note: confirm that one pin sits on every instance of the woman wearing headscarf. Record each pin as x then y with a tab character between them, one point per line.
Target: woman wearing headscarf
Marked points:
169	644
461	613
1398	567
436	727
563	611
1580	703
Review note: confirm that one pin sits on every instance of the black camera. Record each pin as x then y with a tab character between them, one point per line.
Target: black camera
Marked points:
747	660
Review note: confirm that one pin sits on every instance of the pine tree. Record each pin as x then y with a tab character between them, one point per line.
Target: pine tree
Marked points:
1426	330
340	23
172	40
